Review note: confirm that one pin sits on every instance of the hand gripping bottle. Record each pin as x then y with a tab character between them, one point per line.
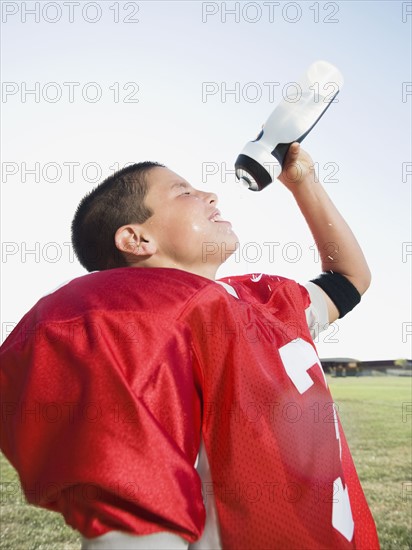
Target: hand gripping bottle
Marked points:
261	160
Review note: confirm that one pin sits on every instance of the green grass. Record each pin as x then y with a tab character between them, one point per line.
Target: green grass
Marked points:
373	414
373	411
24	527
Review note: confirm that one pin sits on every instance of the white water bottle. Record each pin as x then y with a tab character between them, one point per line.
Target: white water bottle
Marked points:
261	160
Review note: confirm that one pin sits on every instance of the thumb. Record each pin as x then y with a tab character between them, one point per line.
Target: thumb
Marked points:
293	153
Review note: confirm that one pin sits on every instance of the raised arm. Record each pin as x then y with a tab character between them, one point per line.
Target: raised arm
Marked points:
338	248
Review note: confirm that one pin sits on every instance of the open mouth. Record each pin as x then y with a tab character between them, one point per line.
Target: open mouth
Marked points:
216	217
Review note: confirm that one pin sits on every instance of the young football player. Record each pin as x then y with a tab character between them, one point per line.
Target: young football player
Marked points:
157	407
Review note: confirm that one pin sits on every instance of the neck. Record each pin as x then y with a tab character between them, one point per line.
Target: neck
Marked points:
206	270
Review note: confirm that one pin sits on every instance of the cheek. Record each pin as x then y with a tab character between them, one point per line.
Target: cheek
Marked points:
193	222
183	227
199	228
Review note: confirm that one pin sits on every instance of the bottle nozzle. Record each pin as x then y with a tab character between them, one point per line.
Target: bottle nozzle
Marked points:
246	180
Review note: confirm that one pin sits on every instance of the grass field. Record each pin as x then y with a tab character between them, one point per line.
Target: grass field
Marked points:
376	415
373	411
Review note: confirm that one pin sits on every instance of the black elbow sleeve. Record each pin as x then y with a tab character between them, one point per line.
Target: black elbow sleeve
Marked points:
340	290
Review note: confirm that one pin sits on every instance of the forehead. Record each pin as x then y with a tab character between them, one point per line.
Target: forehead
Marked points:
161	182
163	178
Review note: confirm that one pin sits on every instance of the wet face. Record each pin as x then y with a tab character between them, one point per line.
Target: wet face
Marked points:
187	226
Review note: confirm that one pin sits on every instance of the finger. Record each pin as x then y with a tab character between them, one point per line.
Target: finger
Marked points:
294	148
293	152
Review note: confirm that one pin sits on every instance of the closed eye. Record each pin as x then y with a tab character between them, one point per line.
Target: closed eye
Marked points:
181	186
185	189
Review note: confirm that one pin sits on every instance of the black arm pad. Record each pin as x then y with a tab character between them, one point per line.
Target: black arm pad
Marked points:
340	290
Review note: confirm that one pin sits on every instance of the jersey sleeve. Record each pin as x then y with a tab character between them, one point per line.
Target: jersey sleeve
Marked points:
317	312
101	418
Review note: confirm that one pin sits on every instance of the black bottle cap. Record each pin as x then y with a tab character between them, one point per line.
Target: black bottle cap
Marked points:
256	176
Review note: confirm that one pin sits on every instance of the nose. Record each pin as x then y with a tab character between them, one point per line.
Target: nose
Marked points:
211	198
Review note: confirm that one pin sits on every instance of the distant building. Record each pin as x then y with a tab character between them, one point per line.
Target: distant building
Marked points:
347	366
341	366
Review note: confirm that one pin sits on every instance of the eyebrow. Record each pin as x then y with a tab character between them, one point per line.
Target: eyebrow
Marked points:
179	184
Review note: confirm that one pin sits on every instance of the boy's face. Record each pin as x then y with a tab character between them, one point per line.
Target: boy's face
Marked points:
186	226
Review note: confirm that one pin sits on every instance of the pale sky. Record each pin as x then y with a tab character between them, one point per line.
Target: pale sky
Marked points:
188	84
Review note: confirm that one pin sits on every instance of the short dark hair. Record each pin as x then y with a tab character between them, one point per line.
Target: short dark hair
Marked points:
117	201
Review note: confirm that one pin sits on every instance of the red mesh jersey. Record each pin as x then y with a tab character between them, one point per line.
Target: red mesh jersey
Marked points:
109	383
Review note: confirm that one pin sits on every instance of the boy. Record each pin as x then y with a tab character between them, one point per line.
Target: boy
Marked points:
172	409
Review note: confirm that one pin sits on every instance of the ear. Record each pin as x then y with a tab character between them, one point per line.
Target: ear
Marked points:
130	241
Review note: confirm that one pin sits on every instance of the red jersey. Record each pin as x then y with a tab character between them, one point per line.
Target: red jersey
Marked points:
109	384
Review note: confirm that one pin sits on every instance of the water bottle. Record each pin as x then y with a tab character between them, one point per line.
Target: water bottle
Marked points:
261	160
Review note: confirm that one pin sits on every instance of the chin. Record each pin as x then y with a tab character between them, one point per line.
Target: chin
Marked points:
219	250
228	247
